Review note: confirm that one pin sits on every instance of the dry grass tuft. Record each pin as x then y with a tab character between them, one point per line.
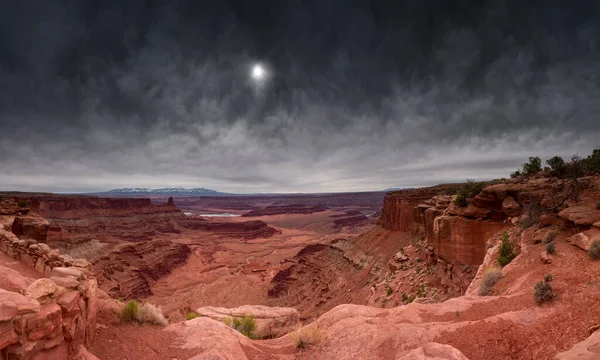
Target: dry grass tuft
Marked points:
490	278
306	336
145	313
151	314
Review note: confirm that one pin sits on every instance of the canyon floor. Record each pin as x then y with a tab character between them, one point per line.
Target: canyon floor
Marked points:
398	277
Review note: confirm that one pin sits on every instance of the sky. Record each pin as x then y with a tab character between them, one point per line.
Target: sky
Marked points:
356	95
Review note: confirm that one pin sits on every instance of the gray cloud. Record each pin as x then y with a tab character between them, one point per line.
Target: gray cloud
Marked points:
361	97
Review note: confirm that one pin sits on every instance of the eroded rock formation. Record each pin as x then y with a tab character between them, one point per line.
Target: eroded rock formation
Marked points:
128	270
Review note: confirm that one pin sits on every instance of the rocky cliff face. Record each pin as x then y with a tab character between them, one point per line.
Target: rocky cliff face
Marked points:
238	229
81	219
17	217
129	269
397	212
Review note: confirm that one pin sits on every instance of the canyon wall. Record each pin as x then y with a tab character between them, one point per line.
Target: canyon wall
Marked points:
397	212
77	220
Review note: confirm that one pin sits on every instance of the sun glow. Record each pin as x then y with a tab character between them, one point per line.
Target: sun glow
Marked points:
258	72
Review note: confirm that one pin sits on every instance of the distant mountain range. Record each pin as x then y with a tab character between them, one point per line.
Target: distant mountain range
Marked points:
178	191
181	191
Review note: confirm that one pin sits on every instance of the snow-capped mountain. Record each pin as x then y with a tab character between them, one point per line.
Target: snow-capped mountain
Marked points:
167	190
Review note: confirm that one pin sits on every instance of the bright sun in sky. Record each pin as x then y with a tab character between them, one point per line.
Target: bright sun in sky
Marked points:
258	72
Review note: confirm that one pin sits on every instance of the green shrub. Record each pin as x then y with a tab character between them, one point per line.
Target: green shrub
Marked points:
548	277
192	315
515	174
461	199
550	237
542	292
1	198
533	167
550	248
389	291
490	278
129	311
245	325
594	250
505	252
558	167
591	164
450	190
22	203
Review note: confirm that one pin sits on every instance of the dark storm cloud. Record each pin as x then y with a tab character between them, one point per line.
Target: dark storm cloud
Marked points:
362	95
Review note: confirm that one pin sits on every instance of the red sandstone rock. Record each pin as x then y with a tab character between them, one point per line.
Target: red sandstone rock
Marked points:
461	240
584	239
580	215
270	321
31	226
23	304
225	343
588	349
511	207
128	270
44	322
7	334
433	351
66	282
43	290
68	301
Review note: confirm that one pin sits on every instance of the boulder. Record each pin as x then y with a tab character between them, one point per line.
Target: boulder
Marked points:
270	321
580	215
433	351
469	211
223	342
584	239
23	304
7	334
511	207
68	272
31	227
68	301
12	280
66	282
43	290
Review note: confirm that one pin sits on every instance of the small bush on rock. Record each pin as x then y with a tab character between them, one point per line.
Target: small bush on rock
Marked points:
550	237
461	199
533	167
191	315
490	278
245	325
22	203
542	292
129	311
550	248
389	291
151	314
505	252
305	336
143	314
594	250
548	277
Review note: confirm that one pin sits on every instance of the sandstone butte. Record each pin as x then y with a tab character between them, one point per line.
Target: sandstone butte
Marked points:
408	287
